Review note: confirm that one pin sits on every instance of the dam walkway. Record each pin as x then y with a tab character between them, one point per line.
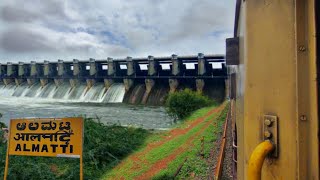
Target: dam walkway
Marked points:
130	80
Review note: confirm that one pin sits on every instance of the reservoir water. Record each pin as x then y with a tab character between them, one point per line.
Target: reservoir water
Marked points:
64	101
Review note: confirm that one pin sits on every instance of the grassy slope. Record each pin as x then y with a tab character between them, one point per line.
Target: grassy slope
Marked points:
109	150
195	164
147	161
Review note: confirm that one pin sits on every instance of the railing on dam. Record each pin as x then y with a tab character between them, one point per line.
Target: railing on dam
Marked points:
117	68
147	70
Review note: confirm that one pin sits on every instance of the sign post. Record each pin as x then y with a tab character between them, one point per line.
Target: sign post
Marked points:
51	137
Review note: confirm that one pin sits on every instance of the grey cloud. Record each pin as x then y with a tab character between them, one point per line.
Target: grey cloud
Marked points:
14	14
200	19
27	11
96	28
22	40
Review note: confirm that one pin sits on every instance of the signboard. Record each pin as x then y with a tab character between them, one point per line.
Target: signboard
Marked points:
46	137
52	137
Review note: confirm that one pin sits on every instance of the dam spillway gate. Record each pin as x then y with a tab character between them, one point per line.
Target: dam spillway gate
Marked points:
145	80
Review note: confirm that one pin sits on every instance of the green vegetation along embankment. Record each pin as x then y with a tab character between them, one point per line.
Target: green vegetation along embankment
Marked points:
104	147
162	154
115	152
182	104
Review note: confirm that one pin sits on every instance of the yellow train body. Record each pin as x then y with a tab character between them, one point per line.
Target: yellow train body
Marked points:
277	75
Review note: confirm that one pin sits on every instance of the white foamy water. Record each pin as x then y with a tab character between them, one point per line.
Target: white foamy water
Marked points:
51	101
65	92
115	93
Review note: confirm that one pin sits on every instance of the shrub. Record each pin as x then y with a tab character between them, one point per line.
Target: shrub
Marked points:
2	133
104	147
2	124
181	104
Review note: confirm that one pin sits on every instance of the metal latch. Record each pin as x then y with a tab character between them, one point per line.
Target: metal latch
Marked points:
270	131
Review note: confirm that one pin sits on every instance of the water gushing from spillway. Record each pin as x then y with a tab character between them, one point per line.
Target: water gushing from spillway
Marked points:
7	90
115	93
64	92
67	101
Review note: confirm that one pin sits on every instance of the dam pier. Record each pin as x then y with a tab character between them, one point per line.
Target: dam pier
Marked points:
138	80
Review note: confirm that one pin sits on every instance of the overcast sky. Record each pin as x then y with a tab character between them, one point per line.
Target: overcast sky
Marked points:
68	29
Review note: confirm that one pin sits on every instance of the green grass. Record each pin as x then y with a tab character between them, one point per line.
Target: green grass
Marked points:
104	147
107	146
194	163
169	147
195	115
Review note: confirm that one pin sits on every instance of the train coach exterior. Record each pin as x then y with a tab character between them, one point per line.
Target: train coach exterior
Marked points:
273	69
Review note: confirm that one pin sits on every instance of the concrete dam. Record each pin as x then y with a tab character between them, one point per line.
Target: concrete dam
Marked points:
130	80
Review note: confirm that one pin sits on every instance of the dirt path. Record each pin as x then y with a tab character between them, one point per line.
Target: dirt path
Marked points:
139	162
163	163
175	133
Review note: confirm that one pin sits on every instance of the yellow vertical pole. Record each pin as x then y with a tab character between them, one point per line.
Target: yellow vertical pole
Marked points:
7	155
7	164
81	155
81	168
